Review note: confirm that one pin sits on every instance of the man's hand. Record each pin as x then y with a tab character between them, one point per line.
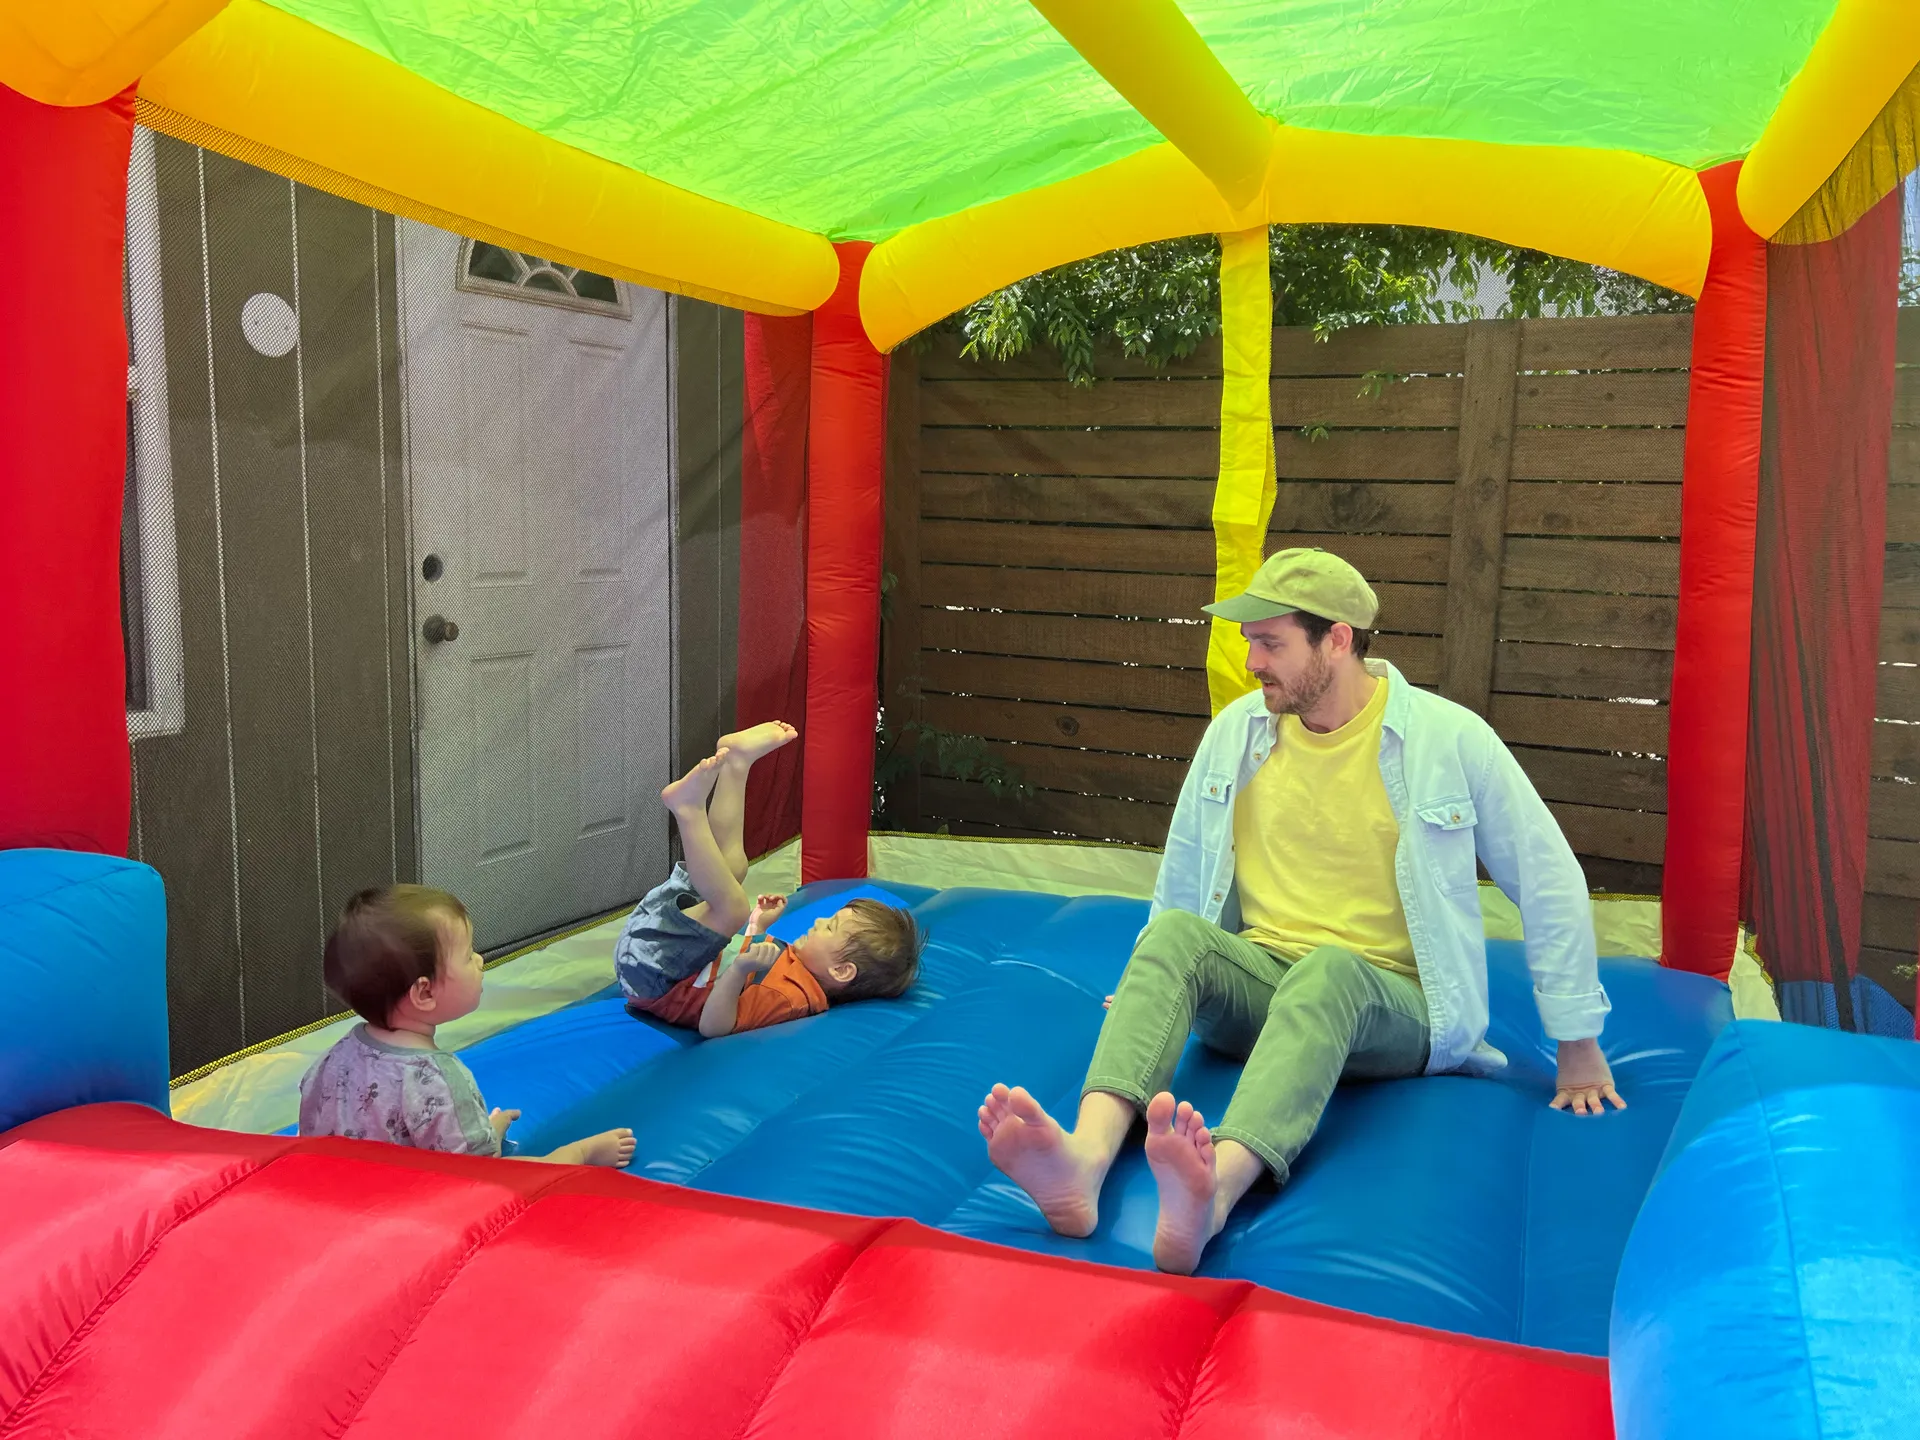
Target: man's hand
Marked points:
1586	1082
766	910
755	960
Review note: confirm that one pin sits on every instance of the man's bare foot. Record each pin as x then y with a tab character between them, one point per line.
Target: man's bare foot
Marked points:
750	744
609	1147
691	790
1031	1149
1180	1154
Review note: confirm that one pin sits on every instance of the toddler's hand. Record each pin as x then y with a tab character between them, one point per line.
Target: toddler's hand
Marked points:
500	1120
766	910
756	960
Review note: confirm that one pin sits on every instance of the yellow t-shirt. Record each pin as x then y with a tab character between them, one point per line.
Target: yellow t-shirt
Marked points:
1314	838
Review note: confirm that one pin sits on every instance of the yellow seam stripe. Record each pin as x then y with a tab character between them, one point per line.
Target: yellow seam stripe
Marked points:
1149	52
81	54
295	90
1608	207
1244	494
1867	50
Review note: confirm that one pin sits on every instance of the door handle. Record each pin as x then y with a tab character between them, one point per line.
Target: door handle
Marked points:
439	629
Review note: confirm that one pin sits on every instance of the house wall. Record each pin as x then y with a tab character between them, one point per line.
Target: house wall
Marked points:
290	784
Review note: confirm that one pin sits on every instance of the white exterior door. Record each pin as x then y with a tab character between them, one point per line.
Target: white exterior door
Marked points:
541	472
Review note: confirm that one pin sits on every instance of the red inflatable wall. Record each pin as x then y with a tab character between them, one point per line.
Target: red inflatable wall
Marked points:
162	1279
771	681
64	765
846	481
1712	661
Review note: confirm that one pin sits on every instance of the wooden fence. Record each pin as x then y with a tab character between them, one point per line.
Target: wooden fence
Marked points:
1511	488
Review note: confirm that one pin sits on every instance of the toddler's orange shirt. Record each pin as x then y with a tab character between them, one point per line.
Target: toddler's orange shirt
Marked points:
788	991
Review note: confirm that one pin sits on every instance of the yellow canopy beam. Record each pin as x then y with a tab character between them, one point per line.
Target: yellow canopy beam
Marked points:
79	54
278	92
1868	48
1149	52
1609	207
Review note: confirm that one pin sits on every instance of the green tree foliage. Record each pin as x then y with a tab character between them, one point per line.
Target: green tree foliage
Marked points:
1159	301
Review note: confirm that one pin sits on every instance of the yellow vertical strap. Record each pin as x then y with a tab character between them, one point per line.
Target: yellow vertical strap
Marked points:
1243	497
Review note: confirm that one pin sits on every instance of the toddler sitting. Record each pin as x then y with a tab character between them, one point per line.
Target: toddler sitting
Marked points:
669	958
403	958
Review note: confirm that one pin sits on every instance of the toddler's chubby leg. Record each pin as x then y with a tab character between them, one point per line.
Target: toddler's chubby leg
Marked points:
727	811
610	1147
723	904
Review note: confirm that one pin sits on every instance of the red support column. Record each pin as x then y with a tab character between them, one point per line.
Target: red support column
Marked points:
64	765
846	458
1712	662
771	671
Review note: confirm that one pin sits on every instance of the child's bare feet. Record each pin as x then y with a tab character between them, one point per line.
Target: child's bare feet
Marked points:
1180	1154
747	746
609	1147
1030	1149
691	790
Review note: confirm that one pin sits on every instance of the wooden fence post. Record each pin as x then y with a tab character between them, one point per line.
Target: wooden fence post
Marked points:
1479	546
900	653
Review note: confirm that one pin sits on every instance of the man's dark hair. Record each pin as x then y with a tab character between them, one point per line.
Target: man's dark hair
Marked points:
387	939
885	947
1318	627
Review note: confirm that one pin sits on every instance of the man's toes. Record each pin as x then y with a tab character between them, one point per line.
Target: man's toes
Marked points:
1023	1105
1160	1112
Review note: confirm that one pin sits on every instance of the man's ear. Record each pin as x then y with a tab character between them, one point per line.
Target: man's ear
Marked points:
843	971
1342	635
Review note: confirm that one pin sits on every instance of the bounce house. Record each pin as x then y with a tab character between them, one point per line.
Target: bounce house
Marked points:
811	1240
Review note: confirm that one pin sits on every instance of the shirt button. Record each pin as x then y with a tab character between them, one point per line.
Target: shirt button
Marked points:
1456	817
1216	894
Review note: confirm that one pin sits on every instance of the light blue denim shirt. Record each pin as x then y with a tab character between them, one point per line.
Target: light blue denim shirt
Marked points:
1457	792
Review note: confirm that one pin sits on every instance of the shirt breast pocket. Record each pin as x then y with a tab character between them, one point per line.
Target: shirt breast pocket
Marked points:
1447	827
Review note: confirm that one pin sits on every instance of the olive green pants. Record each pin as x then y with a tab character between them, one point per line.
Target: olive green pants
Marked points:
1301	1026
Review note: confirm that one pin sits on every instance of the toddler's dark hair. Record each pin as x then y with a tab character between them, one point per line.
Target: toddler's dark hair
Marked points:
886	947
388	938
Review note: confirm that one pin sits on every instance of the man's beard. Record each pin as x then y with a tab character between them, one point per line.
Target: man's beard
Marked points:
1301	695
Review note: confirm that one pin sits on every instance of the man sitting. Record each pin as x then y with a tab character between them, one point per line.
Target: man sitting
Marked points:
1318	915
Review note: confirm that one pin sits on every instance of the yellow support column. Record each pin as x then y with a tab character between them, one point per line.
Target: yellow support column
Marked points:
1243	496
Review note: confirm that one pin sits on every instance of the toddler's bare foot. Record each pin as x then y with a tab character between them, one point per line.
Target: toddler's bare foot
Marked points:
1031	1149
1180	1154
747	746
609	1147
691	790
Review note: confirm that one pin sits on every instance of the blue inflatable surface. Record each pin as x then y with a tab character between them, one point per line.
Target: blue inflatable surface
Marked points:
83	983
1462	1204
1772	1282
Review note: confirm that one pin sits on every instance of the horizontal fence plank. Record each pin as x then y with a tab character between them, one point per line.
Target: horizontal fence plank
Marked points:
942	362
1067	682
1901	590
1594	672
1579	724
1182	403
1367	455
1645	622
1893	868
1366	349
1605	398
1132	642
1609	342
1133	822
1889	922
1903	457
1093	772
1408	609
1072	452
1412	559
1307	505
1039	723
1575	508
1900	635
1897	692
1893	810
1639	835
1651	456
1614	781
1614	567
1378	400
1896	749
1903	514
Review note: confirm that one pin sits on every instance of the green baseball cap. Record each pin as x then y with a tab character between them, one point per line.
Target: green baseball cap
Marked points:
1295	580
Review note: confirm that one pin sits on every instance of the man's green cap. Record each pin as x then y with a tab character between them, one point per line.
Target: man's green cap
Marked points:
1303	580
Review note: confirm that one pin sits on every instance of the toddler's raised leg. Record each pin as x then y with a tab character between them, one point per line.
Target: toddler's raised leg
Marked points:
723	904
727	812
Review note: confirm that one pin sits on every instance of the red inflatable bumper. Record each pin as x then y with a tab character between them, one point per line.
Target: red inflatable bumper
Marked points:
162	1280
